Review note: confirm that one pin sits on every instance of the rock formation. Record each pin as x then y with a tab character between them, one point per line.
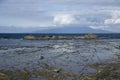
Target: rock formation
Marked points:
47	37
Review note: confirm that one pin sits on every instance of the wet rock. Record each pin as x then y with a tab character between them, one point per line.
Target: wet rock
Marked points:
56	70
117	47
42	57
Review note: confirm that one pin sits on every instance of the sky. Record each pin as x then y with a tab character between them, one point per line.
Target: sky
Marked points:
46	14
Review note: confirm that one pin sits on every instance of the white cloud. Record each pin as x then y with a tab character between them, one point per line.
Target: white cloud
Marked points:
115	18
64	19
115	14
112	21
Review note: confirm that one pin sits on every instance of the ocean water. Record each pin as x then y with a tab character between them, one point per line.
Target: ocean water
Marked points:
73	56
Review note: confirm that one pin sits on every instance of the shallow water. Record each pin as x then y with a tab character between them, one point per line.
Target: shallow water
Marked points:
69	55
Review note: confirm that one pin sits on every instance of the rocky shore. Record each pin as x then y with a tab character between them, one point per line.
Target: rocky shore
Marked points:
94	59
53	37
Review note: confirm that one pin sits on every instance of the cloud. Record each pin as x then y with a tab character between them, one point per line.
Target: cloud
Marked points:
115	18
64	19
102	14
112	21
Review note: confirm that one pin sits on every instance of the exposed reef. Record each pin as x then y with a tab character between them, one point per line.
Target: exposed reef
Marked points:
53	37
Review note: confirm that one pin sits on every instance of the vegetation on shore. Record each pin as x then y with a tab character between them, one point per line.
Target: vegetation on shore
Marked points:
105	72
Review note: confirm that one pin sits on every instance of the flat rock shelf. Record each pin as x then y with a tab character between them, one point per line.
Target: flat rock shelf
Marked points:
59	59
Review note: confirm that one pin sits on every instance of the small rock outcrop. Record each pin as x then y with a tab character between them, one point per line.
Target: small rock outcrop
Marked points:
30	37
90	36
